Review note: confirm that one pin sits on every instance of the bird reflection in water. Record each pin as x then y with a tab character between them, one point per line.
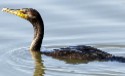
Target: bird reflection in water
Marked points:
39	67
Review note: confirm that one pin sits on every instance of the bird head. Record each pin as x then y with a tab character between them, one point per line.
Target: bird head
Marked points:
29	14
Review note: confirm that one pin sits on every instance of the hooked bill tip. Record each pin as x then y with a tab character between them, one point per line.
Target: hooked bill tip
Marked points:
4	9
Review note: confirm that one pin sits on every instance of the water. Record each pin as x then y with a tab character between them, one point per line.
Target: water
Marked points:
99	23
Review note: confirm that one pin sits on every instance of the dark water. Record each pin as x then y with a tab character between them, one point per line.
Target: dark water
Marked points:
99	23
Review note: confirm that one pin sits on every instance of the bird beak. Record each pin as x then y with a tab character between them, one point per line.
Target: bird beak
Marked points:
18	12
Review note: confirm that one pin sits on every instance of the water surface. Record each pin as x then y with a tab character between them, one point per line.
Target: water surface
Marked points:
99	23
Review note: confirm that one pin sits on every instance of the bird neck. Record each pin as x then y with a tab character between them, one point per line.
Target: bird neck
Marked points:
38	26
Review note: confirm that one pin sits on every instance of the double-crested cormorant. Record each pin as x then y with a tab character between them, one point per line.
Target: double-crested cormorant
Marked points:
79	52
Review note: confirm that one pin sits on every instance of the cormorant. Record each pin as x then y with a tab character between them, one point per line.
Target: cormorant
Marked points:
80	52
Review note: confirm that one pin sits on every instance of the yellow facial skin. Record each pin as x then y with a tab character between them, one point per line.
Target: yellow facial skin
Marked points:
18	12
